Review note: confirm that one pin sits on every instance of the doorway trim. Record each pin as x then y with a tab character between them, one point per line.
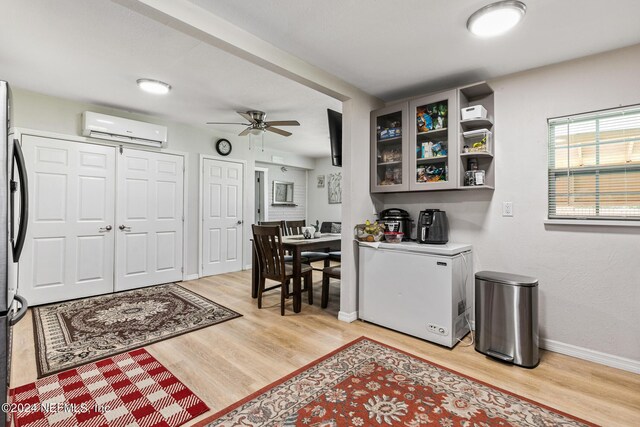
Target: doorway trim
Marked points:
265	191
245	171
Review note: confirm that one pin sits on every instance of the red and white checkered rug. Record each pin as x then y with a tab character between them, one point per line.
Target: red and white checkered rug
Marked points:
131	389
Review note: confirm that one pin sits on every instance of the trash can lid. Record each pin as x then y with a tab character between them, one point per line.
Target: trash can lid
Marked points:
507	278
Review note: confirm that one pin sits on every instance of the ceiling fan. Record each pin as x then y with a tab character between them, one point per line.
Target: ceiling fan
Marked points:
257	124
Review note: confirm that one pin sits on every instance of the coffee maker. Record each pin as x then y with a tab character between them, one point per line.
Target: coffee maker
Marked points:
433	227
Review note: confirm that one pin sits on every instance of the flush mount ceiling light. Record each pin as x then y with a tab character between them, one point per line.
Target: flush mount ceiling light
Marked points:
496	18
154	86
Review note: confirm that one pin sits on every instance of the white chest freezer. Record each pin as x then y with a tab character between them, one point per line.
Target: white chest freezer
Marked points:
421	290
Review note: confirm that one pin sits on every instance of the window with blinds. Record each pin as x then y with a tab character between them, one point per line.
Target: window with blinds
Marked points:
594	165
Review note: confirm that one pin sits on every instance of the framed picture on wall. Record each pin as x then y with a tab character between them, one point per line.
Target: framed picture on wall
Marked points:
282	193
335	188
320	181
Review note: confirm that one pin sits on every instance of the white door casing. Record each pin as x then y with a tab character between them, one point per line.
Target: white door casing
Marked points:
69	249
222	227
149	219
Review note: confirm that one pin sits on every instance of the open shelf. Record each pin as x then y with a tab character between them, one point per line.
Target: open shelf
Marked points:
476	154
477	187
476	123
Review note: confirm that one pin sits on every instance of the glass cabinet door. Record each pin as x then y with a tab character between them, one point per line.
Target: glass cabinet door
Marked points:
389	157
433	142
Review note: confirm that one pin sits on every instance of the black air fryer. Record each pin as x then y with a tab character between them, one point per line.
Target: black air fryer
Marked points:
433	227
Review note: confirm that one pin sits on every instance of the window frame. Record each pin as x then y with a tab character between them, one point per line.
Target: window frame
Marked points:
597	170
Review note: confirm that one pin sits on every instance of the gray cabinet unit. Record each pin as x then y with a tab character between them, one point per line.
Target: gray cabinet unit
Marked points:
478	136
389	149
426	144
433	142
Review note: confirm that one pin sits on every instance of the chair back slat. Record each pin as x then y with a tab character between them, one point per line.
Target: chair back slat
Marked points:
295	227
270	253
280	223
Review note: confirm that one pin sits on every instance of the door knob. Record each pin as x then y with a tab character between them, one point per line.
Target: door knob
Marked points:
124	228
105	229
239	222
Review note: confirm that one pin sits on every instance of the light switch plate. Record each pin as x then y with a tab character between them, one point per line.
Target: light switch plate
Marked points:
507	208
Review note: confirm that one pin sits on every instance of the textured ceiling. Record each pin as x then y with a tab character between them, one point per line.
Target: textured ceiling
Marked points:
392	48
95	50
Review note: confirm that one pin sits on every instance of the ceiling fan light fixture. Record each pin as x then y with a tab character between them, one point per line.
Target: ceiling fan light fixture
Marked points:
496	18
154	86
256	131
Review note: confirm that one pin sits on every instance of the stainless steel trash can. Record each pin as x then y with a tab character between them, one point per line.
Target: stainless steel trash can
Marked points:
507	317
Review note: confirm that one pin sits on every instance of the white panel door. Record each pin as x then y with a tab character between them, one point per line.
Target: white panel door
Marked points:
221	217
149	219
69	247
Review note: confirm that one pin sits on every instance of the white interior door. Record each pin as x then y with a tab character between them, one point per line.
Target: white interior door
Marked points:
149	219
221	216
69	247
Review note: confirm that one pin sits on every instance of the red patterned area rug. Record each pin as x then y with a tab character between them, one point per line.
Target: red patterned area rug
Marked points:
367	383
130	389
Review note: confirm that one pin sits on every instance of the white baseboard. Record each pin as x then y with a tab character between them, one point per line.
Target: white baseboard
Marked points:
191	277
247	267
587	354
348	317
591	355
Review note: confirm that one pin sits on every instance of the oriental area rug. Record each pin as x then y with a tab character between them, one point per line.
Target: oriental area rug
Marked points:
367	383
72	333
130	389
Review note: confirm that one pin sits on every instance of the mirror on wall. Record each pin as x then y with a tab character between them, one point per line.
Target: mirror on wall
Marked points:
282	193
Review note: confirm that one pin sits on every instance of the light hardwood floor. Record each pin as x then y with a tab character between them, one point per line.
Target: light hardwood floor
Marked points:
226	362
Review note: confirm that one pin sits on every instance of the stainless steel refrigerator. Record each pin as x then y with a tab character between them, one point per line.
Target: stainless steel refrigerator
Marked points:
13	228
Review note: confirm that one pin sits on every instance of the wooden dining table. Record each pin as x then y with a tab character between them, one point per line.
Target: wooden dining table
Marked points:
296	245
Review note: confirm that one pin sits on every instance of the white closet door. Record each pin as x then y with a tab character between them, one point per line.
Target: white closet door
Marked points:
149	219
69	248
221	217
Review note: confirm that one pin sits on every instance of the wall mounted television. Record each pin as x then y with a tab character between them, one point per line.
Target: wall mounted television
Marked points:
335	134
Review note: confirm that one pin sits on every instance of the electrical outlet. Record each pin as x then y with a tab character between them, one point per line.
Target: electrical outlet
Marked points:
507	208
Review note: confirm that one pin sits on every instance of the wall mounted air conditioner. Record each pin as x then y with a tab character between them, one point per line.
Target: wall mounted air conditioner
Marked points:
118	129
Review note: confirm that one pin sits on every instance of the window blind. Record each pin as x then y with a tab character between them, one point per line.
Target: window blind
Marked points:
594	165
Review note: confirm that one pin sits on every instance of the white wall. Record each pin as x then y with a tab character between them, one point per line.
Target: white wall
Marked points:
45	113
589	276
299	179
357	203
319	207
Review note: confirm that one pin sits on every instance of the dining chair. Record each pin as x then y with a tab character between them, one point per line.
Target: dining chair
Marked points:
295	228
327	274
267	240
280	223
287	257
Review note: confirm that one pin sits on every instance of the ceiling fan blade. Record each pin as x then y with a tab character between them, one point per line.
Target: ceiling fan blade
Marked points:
278	131
245	132
246	116
227	123
284	123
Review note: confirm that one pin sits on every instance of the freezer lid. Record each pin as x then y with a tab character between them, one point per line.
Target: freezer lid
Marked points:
448	249
506	278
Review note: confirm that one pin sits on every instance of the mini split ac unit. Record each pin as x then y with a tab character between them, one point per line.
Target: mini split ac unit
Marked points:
118	129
